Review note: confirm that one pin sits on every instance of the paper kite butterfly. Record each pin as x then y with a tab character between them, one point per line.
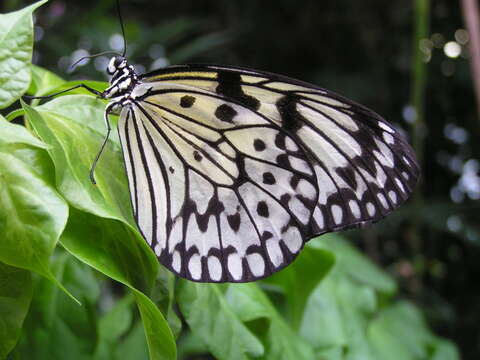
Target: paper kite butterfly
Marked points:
232	170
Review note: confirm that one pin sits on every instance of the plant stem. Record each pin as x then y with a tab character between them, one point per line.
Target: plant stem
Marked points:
418	90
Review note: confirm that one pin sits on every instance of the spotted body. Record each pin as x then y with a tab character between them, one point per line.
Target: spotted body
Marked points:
232	170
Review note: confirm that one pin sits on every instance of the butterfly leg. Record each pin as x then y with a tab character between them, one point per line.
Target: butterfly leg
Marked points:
86	87
108	111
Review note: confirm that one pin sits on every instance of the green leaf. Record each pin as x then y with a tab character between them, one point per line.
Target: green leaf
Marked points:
16	46
301	278
15	297
112	248
43	81
212	320
444	350
73	126
354	264
163	296
113	325
133	345
56	327
251	305
340	309
399	332
32	214
17	134
117	321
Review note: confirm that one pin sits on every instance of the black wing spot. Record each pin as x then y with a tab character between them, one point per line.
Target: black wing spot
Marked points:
225	113
259	145
280	141
229	85
287	107
266	235
197	156
348	175
172	170
234	221
285	198
268	178
187	101
283	161
294	182
262	209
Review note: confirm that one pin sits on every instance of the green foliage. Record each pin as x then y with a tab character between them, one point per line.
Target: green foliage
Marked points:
62	235
16	46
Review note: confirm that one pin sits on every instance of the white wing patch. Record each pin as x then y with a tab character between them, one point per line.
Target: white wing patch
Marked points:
231	171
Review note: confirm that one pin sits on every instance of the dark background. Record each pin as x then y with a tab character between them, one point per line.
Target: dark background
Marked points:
361	49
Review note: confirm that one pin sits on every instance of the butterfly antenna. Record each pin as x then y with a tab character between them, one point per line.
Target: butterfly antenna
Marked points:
92	56
120	19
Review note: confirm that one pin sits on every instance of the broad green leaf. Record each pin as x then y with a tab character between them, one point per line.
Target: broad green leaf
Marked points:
112	326
110	247
354	264
323	325
32	214
399	332
56	327
160	340
117	321
251	305
163	296
212	320
300	279
17	134
190	345
444	350
337	316
16	46
73	126
340	309
133	346
15	297
43	81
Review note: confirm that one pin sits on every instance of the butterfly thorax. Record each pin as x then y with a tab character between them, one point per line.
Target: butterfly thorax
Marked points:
122	82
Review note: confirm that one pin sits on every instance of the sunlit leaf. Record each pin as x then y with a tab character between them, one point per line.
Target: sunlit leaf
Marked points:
16	46
43	81
32	213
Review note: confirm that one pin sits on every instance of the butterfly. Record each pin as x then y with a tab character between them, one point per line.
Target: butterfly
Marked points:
232	170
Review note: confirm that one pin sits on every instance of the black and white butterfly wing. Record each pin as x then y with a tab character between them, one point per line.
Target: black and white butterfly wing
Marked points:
232	170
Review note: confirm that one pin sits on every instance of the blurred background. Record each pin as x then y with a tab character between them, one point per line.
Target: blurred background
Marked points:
363	50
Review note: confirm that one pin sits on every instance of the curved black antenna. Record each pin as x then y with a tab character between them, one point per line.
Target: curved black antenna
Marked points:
92	56
123	28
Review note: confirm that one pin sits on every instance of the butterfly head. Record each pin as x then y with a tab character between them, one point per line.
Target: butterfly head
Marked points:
123	78
116	63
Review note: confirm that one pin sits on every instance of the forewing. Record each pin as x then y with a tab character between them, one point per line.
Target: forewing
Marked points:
232	170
